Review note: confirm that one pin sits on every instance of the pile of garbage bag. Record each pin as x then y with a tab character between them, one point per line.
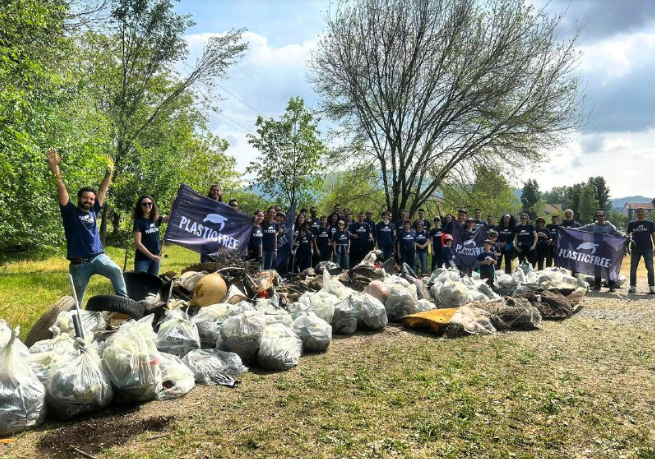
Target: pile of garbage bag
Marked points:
213	324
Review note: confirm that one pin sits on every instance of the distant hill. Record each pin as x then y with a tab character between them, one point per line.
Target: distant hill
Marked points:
620	202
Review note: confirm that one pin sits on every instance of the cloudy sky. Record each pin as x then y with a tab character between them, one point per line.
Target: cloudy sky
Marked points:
617	67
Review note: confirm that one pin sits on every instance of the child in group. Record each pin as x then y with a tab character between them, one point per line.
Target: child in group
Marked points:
447	254
493	237
341	245
407	245
488	261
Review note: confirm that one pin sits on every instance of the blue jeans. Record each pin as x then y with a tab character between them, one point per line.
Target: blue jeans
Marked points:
102	265
147	266
422	258
634	264
342	259
267	259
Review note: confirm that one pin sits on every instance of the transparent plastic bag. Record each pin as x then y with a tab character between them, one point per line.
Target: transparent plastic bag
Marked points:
5	336
470	321
279	349
62	343
346	313
453	294
177	335
211	318
425	305
79	385
208	364
92	322
42	362
314	332
321	302
131	360
22	395
401	302
241	334
177	378
371	312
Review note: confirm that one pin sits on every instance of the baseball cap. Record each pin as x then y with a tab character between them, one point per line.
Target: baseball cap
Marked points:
447	237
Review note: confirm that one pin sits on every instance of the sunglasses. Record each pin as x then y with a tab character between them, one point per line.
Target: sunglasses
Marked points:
146	204
234	206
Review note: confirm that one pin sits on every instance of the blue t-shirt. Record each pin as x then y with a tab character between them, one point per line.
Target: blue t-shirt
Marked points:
340	240
435	234
447	255
81	230
149	237
421	238
316	223
333	231
362	230
407	240
641	233
384	234
270	235
479	223
256	237
553	229
526	238
486	269
570	224
543	236
322	235
426	224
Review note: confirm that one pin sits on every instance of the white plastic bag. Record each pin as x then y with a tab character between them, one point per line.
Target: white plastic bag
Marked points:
62	343
177	378
5	336
345	317
211	318
314	332
207	364
470	321
453	294
241	334
22	395
321	302
92	322
79	385
371	312
401	302
177	335
279	348
131	361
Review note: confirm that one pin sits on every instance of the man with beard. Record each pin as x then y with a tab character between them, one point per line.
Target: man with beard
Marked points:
83	246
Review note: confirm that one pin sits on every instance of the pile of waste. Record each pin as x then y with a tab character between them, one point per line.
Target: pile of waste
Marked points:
209	324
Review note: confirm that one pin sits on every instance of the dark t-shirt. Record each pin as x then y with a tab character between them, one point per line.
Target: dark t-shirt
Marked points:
505	233
407	240
384	234
149	237
421	238
543	236
340	240
570	224
486	269
447	255
322	235
427	224
362	230
256	236
270	234
81	230
553	230
526	238
435	234
641	233
304	242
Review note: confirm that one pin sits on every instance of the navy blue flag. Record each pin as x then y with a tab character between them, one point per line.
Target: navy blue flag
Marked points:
285	239
205	226
597	255
467	246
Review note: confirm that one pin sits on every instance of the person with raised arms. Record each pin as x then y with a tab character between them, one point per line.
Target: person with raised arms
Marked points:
84	249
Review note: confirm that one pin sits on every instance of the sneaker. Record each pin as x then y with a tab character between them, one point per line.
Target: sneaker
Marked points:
651	289
596	287
612	289
632	289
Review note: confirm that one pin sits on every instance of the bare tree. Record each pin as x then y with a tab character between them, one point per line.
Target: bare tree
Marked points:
425	89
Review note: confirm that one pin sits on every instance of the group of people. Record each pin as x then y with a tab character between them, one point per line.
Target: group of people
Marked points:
337	237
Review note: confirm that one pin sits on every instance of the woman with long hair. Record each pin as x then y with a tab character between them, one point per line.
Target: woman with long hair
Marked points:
147	256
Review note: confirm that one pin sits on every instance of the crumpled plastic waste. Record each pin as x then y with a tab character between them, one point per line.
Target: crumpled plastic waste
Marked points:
279	349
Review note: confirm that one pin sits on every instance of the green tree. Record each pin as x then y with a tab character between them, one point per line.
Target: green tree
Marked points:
132	69
557	195
429	87
291	150
588	204
358	189
530	198
601	193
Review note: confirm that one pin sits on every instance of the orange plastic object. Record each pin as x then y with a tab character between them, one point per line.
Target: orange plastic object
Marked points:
436	320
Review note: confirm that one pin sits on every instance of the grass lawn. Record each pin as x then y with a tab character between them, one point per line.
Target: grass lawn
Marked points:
583	388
